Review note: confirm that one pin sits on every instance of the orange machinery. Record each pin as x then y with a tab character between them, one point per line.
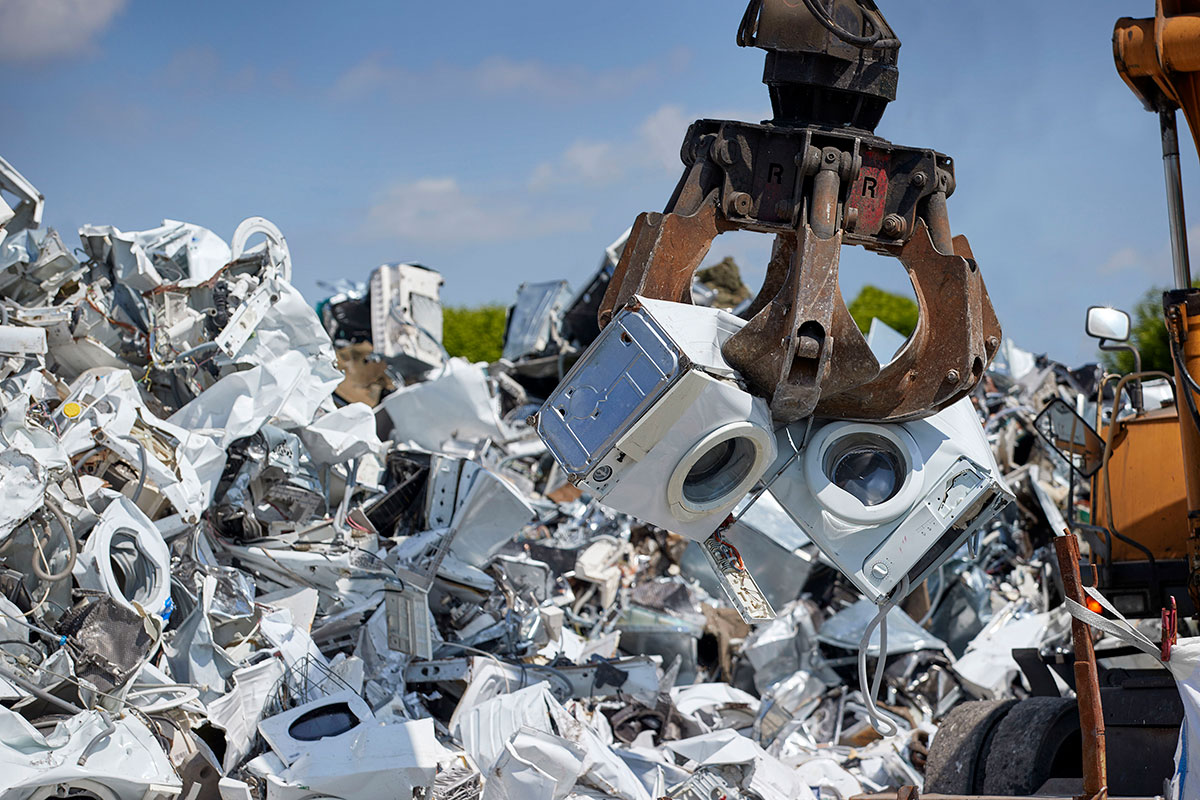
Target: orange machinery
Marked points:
1152	496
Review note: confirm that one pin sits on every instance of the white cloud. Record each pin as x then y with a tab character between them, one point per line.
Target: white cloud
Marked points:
365	77
655	145
661	136
1123	259
1156	264
500	75
438	210
593	163
201	66
33	30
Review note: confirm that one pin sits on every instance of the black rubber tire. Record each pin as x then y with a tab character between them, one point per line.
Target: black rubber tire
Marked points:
960	746
1026	745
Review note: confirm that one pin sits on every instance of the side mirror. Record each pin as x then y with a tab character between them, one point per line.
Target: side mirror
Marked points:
1108	323
1071	436
1111	327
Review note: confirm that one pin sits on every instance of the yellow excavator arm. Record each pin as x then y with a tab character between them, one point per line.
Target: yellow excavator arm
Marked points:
1159	58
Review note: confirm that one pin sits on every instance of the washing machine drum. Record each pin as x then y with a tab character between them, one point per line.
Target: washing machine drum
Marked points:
126	557
82	789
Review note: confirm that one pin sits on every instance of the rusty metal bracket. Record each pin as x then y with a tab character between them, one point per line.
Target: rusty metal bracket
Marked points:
1087	681
956	336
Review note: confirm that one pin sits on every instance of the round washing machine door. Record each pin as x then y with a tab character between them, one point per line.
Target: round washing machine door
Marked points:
131	560
719	470
864	474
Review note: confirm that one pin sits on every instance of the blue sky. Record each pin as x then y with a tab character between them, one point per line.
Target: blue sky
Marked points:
507	142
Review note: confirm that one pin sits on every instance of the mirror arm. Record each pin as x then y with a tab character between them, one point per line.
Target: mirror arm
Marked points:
1135	390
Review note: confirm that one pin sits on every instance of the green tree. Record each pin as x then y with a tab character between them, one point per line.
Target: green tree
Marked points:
476	334
894	310
1148	334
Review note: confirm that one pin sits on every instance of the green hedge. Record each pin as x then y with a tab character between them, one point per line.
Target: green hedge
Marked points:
896	311
476	334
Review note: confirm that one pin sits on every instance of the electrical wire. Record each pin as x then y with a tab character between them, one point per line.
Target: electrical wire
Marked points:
562	676
43	572
80	685
36	606
879	722
942	589
38	656
38	691
492	656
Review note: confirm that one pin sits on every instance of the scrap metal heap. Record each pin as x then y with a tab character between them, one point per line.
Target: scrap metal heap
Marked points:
250	549
219	580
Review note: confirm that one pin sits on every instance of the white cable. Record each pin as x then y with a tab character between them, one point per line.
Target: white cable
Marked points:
879	722
176	695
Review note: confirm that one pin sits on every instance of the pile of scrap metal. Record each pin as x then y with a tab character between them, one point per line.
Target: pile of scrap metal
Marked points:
677	542
219	582
387	332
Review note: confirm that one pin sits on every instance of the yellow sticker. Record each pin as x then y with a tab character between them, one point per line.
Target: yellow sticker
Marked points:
72	410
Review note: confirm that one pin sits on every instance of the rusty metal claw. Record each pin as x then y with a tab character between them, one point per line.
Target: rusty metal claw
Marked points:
816	177
662	253
956	336
804	341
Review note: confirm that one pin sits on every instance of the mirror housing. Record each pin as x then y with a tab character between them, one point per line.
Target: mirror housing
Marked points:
1112	327
1071	436
1108	323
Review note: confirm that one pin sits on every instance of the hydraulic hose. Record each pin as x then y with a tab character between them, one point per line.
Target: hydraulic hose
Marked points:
872	41
1192	386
